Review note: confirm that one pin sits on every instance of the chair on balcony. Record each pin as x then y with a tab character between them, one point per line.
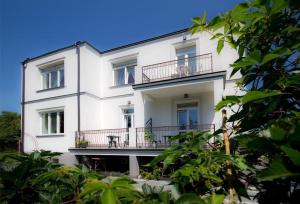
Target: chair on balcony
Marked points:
113	140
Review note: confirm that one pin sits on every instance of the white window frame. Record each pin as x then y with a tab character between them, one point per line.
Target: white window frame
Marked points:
58	119
125	66
188	114
47	71
128	114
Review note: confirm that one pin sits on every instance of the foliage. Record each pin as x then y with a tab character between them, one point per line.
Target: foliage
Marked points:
17	172
154	195
10	129
190	198
265	120
108	191
63	184
196	165
82	144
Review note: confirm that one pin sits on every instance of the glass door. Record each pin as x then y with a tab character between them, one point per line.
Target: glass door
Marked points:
187	116
128	117
187	58
193	118
182	119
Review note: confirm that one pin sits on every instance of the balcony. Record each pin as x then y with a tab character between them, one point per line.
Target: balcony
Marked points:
180	68
135	138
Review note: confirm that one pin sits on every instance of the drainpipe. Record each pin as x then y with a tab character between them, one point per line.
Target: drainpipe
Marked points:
23	67
77	44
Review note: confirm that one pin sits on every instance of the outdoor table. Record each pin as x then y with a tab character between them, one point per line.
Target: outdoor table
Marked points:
112	139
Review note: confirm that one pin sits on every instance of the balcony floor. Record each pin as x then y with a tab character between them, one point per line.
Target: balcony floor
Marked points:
204	77
117	151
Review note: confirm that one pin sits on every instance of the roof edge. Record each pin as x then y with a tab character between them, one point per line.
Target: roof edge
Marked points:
146	40
105	51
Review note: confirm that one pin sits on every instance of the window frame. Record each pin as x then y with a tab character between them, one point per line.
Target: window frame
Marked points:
44	114
46	74
128	114
126	73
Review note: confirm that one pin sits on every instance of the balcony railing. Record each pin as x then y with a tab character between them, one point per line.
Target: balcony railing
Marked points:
105	138
179	68
143	137
160	137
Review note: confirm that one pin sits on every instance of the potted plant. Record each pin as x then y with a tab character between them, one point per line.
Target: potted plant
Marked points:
83	144
149	136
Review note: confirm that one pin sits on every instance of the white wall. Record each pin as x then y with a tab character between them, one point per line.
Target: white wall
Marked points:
90	71
33	131
33	82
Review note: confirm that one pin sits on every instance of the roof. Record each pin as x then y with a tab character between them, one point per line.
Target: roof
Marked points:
109	50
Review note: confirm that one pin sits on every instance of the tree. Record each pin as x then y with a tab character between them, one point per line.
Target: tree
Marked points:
10	130
265	120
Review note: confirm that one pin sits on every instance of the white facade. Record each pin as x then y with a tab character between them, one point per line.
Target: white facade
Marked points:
102	104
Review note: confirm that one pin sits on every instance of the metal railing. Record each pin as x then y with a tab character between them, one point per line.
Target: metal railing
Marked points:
105	138
160	137
185	67
143	137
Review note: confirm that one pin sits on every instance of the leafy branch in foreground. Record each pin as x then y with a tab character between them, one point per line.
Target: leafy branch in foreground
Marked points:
266	36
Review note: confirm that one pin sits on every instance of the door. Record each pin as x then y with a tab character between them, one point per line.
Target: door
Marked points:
128	117
187	116
187	57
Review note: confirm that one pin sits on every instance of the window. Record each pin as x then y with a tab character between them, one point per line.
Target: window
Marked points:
128	117
124	74
53	77
52	122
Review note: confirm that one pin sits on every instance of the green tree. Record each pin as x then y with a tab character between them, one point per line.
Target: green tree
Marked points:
265	120
10	130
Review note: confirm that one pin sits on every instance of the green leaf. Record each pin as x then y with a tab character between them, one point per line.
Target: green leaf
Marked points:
214	199
217	35
277	53
197	20
276	171
277	133
257	95
170	159
293	154
189	198
279	5
216	23
109	197
92	186
239	13
228	100
220	45
252	59
204	17
122	182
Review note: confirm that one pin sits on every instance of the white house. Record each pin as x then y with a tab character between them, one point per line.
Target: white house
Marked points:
126	102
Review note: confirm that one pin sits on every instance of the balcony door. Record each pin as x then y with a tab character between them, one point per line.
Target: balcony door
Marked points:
187	59
128	117
187	116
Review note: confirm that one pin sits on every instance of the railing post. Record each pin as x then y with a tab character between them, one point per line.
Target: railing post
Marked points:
136	135
76	139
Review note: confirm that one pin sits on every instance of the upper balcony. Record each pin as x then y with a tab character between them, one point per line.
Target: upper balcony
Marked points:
180	68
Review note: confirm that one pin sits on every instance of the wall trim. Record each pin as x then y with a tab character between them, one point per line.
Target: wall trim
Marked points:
75	94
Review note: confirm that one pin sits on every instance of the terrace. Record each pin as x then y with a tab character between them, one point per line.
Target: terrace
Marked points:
135	138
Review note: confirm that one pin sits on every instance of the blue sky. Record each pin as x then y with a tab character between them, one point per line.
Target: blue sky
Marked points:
31	27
